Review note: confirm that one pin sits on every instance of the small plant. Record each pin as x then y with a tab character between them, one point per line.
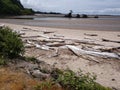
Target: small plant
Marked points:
11	45
47	85
72	81
30	59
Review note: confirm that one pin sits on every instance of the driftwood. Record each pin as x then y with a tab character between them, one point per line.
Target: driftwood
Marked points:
29	29
55	44
90	34
107	40
90	39
118	35
56	38
84	42
44	36
25	28
20	33
29	45
58	44
29	42
52	40
47	32
80	52
106	49
57	35
31	36
44	47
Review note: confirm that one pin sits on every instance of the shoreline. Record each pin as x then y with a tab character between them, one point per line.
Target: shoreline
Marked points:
65	23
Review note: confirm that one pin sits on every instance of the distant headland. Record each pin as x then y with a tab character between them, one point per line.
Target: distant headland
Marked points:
13	7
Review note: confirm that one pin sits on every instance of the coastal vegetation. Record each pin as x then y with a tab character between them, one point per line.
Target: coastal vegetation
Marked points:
13	7
11	45
69	80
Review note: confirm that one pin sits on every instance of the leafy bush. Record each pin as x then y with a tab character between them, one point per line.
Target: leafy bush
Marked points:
72	81
11	45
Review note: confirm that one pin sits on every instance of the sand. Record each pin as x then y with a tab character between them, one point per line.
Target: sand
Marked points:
107	70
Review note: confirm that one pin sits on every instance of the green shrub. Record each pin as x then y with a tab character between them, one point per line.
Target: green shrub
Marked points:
47	85
72	81
11	46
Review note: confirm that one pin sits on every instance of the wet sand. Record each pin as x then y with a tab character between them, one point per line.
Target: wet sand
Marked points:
101	24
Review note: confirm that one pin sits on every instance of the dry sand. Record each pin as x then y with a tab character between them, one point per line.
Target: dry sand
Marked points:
107	70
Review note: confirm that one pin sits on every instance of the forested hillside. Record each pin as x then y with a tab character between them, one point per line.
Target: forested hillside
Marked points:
13	7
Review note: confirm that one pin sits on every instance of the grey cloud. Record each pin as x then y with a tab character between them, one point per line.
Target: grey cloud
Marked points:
83	6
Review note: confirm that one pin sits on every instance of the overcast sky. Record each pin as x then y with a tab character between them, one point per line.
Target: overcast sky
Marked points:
78	6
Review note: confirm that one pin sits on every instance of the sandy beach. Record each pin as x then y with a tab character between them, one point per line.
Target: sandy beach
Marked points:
106	68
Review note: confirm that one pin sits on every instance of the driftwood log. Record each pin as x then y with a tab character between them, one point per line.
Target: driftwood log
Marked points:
79	52
84	42
107	40
90	34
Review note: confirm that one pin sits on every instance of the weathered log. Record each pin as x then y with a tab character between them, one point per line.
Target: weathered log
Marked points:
55	44
56	38
47	32
84	42
41	35
29	45
20	32
43	47
106	49
29	42
80	52
52	40
30	29
30	36
58	44
90	34
107	40
57	35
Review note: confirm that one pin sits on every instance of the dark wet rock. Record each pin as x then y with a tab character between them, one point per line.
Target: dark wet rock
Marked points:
45	68
78	16
113	79
39	74
96	16
84	16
